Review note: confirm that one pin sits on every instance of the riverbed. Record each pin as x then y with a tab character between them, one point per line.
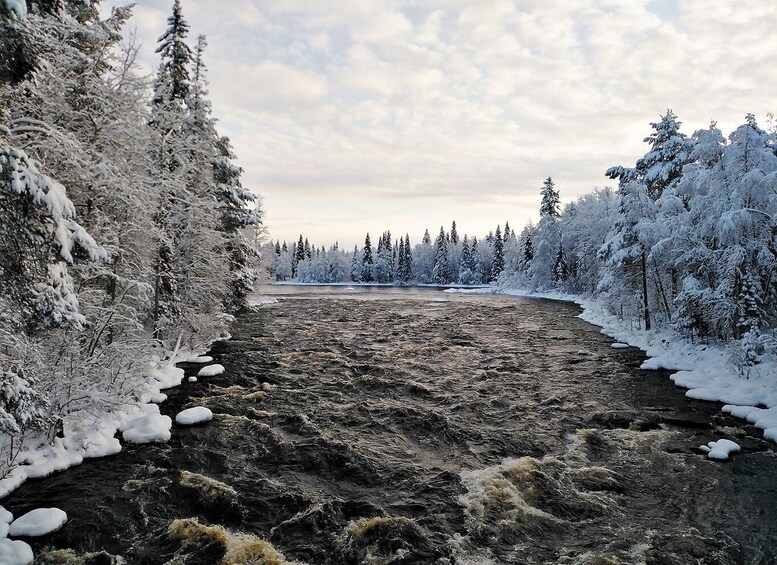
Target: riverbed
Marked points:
391	425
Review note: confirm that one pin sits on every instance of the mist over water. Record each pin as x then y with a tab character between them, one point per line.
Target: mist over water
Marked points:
413	426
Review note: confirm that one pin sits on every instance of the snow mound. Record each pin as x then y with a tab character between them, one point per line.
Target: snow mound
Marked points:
195	415
349	289
192	379
38	522
618	345
211	371
5	520
165	375
201	359
149	428
15	552
584	352
721	449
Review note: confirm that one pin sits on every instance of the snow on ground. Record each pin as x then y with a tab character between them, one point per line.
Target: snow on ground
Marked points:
38	522
195	415
192	379
703	369
617	345
15	552
211	370
721	449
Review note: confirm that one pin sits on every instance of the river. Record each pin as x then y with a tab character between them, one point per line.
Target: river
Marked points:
389	425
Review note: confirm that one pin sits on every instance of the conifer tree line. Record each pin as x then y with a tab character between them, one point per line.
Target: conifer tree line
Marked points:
687	240
446	260
126	230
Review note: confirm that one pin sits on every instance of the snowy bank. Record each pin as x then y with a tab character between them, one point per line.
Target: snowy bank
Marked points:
94	435
704	369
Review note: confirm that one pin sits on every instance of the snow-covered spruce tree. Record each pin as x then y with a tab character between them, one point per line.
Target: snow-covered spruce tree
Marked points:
169	112
550	199
400	272
440	272
498	265
423	260
467	265
382	266
367	261
546	239
407	274
356	265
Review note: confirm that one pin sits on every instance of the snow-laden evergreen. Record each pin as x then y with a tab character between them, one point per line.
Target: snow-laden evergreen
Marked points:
118	200
687	242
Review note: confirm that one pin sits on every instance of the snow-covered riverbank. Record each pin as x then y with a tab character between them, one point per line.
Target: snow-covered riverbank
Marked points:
706	370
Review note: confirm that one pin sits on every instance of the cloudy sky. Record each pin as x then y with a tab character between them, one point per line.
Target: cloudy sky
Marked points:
363	115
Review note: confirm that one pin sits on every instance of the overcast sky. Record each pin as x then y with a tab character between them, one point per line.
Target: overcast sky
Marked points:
363	115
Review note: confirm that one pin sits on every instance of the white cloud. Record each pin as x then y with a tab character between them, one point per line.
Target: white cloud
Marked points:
375	106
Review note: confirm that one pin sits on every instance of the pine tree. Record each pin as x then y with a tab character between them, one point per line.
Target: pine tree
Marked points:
427	240
454	234
508	233
499	257
400	273
550	199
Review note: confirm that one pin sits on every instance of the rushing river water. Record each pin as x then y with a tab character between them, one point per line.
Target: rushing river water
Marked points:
412	426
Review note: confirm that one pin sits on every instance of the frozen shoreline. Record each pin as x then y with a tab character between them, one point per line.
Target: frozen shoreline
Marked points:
704	369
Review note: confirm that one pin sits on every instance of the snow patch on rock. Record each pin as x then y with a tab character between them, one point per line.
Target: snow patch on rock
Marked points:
211	370
195	415
15	552
721	449
38	522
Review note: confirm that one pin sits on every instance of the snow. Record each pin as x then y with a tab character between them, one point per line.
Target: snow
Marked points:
211	370
192	379
15	552
261	300
195	415
5	520
18	7
721	449
618	345
202	359
38	522
149	428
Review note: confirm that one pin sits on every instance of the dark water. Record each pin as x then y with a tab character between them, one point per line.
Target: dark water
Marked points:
411	426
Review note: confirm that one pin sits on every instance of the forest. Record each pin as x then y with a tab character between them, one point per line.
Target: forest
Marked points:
686	241
126	232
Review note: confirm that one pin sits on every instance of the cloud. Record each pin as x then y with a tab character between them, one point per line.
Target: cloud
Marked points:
398	111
